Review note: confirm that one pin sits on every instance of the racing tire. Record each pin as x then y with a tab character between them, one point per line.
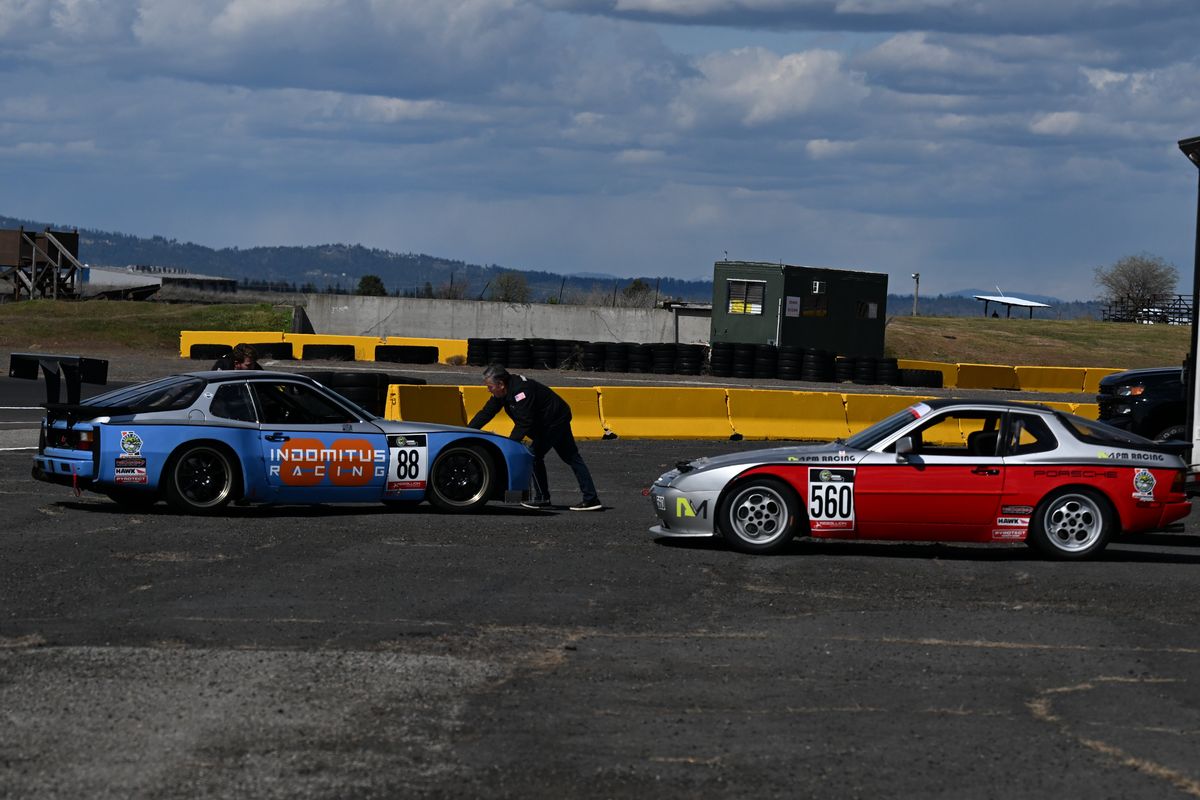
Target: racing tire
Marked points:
1071	524
201	479
461	478
758	516
1171	434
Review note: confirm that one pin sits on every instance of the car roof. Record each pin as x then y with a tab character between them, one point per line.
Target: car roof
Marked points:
947	402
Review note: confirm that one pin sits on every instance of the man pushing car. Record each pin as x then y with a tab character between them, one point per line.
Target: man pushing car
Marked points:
542	415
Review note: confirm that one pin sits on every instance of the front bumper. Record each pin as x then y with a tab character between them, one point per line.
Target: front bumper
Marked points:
683	514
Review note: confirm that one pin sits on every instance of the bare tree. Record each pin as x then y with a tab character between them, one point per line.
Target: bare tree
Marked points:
1137	278
510	287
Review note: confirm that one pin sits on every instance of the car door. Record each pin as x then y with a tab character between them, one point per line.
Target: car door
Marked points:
315	449
947	488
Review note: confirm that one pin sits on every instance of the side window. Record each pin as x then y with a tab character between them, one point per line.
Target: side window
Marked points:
296	404
1028	433
232	401
961	433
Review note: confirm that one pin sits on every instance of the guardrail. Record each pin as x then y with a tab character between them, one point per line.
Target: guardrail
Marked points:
659	412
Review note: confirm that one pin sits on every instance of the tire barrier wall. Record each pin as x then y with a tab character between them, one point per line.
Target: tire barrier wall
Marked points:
602	412
742	361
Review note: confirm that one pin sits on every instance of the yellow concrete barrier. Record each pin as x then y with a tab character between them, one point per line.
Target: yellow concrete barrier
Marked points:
1089	410
585	411
189	338
447	348
864	410
1050	379
1093	376
986	376
442	404
775	414
949	371
665	413
364	346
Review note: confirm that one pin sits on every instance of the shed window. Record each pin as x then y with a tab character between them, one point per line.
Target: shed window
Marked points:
746	297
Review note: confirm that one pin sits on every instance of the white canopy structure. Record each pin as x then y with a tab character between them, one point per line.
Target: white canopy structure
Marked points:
1008	303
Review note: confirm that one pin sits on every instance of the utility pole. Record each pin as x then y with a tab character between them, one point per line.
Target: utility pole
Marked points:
916	276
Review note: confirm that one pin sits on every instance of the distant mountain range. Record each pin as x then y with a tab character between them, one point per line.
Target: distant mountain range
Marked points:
338	267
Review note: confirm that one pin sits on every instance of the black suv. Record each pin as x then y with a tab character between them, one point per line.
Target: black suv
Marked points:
1148	402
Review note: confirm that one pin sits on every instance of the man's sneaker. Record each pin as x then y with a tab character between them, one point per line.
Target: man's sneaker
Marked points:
535	504
588	505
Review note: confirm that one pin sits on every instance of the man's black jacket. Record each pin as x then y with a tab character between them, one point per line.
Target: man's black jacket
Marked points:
533	407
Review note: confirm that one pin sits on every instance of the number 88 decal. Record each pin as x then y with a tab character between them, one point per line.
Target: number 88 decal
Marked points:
830	499
408	464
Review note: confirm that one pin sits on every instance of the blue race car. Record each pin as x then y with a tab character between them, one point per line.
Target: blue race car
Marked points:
203	439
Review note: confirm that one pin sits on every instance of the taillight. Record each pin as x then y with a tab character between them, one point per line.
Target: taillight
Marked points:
87	441
71	439
1180	482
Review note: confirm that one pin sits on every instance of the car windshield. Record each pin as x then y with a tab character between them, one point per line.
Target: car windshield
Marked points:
164	394
866	438
1093	432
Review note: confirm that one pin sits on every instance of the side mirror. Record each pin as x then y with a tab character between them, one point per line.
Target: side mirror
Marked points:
904	447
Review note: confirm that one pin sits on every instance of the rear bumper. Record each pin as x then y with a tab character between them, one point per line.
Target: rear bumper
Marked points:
63	471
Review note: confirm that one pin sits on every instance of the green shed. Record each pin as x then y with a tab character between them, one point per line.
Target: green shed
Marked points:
843	311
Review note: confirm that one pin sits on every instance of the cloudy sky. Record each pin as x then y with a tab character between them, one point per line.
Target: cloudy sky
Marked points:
1018	143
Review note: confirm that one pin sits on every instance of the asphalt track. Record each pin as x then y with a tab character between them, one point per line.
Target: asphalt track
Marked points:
353	651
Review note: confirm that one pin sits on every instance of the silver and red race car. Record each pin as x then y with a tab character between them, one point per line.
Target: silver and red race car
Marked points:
942	470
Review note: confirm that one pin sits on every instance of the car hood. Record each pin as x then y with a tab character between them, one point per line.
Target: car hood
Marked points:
793	453
398	426
1146	374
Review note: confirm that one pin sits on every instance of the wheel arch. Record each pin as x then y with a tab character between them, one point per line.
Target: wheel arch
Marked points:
766	471
500	485
1098	491
243	478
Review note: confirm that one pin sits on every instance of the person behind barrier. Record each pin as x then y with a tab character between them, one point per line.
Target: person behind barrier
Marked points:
539	413
242	356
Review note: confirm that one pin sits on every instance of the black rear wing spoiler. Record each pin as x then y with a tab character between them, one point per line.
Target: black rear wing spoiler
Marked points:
72	370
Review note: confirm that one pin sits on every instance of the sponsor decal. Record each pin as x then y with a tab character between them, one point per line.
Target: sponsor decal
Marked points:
1016	510
408	462
124	475
1075	473
131	443
1008	535
311	462
660	502
825	459
684	508
130	461
1143	483
1132	456
830	499
1020	522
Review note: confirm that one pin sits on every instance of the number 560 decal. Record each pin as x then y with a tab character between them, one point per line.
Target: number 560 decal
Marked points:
830	499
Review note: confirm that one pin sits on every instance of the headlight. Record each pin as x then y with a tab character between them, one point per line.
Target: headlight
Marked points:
1133	390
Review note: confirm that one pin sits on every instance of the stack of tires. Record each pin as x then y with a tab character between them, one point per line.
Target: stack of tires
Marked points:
641	357
477	352
545	353
720	359
887	372
864	370
662	358
790	362
520	354
616	356
766	357
593	356
817	365
843	369
743	360
568	353
689	359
